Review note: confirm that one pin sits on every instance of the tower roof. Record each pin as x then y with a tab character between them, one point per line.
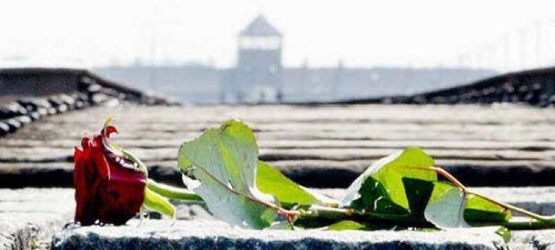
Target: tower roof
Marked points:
260	27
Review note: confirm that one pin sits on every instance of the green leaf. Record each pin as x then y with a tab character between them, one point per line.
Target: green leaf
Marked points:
480	211
381	189
504	233
345	225
449	208
446	207
225	162
286	191
418	193
154	201
282	225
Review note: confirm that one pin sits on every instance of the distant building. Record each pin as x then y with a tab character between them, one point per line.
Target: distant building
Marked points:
259	76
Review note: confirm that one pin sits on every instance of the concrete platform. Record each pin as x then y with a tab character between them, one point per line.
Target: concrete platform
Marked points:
210	234
29	218
160	235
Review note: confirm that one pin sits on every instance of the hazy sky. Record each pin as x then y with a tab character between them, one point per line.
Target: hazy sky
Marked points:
361	33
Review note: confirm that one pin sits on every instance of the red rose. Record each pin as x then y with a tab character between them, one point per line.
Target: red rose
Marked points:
109	186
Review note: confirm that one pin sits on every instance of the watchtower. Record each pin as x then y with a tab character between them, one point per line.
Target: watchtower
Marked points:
259	57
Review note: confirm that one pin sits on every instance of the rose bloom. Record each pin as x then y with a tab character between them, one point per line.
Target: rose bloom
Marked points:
109	186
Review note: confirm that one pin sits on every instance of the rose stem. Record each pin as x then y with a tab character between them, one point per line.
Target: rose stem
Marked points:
338	214
316	212
172	192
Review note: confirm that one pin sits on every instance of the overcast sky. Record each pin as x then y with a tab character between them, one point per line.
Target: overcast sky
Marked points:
361	33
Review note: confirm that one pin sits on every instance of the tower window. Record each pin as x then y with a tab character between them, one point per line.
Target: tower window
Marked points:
262	42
